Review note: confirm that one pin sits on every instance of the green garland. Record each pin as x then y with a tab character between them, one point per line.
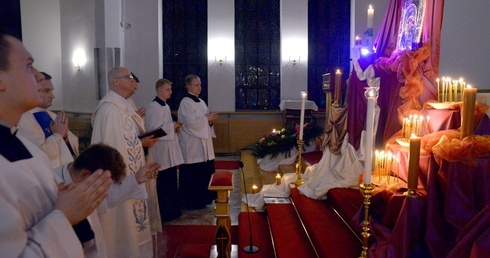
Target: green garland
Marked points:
283	141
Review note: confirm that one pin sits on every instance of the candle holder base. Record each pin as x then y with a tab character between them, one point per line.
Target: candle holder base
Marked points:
366	191
410	193
299	181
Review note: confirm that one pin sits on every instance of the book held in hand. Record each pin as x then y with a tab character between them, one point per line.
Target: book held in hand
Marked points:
156	133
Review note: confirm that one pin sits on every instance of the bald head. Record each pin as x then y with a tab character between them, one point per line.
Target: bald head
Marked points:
122	82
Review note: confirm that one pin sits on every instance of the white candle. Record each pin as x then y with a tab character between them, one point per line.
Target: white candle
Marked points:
302	115
371	95
370	13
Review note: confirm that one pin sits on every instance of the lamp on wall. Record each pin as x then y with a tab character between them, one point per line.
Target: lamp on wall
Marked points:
221	49
295	59
292	49
79	58
220	59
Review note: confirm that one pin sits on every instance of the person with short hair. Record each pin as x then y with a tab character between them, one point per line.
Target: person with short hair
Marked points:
106	157
48	130
197	147
166	151
127	226
37	213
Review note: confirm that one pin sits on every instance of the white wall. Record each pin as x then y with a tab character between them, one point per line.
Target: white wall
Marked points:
294	44
42	37
143	46
221	44
465	39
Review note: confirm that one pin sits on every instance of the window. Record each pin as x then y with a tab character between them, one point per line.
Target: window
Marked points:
328	44
257	54
184	45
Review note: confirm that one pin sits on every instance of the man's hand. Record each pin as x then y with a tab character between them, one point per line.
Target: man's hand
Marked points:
146	172
212	116
78	200
141	112
149	141
60	125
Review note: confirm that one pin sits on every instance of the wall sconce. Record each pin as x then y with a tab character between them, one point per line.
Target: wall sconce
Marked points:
220	59
79	58
294	59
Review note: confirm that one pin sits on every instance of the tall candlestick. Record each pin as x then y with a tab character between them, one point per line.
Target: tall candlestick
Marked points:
370	15
468	114
413	163
338	79
302	115
371	95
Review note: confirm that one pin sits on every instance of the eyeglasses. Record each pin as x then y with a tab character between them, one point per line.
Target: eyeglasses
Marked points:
130	77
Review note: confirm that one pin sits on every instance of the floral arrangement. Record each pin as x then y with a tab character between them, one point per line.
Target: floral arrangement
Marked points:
285	140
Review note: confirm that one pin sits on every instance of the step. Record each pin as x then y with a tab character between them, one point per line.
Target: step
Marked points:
289	236
347	202
261	236
329	234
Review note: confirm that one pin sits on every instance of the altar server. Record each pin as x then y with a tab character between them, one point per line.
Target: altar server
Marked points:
105	157
116	123
166	151
36	212
48	130
197	147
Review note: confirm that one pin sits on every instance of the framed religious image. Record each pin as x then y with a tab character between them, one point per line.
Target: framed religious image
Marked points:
326	82
411	24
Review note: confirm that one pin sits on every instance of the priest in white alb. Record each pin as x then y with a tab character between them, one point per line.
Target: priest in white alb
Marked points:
166	151
49	131
116	123
197	147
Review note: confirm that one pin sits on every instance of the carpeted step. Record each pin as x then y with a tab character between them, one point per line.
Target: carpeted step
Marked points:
311	158
289	236
329	234
347	202
261	237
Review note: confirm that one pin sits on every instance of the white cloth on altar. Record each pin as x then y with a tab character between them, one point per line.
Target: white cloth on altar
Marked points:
296	105
272	164
127	225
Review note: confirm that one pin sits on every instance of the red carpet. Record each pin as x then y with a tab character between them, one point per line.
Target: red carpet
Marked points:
261	237
191	239
226	164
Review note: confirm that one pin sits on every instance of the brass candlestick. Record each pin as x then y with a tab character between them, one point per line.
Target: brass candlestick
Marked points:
299	181
366	192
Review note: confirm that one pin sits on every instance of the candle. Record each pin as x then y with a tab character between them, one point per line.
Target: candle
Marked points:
413	162
254	189
358	40
427	125
338	78
437	80
468	112
278	179
302	115
371	95
274	131
370	15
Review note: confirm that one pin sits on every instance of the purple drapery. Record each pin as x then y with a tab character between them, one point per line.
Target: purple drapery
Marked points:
407	78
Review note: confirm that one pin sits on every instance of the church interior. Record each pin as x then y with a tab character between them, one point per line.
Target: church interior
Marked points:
344	112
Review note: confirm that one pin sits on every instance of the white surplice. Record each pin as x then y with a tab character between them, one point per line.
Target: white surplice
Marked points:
126	226
167	150
29	227
196	134
54	146
129	188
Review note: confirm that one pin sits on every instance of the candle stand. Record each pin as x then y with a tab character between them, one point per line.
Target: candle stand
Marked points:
299	181
366	191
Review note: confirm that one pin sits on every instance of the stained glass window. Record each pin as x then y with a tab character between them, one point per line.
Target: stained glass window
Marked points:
257	54
184	45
